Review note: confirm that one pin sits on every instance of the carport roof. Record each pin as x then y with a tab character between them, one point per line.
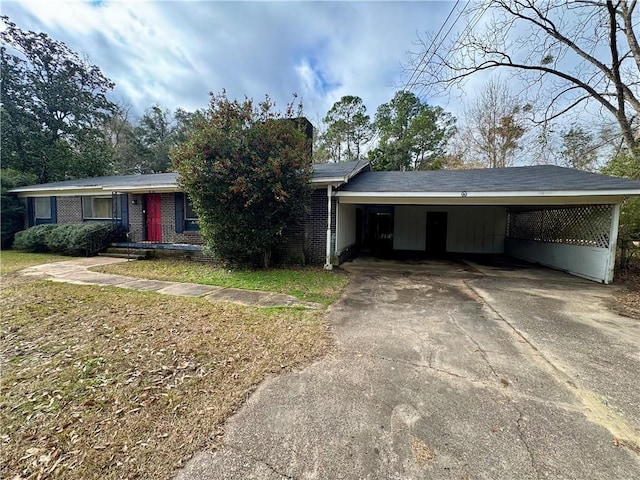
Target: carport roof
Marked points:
539	178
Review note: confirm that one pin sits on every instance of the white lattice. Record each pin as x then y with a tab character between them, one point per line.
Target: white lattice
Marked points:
589	226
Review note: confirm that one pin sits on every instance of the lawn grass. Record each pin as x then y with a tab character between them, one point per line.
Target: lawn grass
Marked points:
100	382
307	284
14	260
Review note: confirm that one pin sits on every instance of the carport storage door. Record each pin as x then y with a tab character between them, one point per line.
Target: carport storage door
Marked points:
436	235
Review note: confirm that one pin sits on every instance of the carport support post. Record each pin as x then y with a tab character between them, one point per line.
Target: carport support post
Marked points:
327	263
613	243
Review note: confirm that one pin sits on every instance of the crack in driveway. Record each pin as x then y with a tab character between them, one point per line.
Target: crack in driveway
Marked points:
351	416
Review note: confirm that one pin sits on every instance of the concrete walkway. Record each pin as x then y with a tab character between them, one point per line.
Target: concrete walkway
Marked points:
77	271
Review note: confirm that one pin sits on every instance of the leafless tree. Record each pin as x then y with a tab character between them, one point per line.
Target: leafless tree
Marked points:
567	53
493	126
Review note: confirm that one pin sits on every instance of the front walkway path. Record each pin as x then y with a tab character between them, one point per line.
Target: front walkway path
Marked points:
77	271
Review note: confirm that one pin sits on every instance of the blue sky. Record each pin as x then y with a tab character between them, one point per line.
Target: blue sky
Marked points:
175	52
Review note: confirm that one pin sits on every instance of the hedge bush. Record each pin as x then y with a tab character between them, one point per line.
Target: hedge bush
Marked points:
34	239
61	238
76	239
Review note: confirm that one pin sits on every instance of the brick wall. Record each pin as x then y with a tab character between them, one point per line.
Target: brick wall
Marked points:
169	235
137	225
136	218
69	209
316	227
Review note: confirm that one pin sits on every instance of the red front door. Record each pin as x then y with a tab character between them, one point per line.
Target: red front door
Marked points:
154	218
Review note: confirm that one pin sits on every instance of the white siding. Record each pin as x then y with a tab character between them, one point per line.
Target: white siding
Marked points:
346	231
410	228
587	262
469	229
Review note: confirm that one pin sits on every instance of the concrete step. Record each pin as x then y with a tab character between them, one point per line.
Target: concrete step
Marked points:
133	255
137	251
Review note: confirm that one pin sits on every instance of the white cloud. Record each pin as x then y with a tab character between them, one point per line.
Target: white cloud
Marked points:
174	53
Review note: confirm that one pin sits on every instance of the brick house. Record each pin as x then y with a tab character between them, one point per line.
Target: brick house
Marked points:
559	217
154	212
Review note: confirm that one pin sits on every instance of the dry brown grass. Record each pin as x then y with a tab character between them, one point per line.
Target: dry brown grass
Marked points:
627	302
107	383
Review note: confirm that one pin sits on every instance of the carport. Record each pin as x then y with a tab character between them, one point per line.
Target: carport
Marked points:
558	217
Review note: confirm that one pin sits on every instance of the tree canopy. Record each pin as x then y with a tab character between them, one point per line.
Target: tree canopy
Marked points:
412	134
246	168
348	130
53	103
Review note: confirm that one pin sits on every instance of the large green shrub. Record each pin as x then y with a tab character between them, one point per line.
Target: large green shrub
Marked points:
34	239
61	238
76	239
90	238
247	170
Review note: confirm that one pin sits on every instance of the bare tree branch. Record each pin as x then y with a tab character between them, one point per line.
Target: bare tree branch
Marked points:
568	47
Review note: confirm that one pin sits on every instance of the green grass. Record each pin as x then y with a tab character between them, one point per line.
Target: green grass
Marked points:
305	283
14	260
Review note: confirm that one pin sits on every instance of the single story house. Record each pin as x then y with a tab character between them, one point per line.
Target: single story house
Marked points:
559	217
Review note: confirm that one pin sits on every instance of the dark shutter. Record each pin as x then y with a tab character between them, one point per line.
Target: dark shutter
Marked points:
124	211
31	214
179	212
54	209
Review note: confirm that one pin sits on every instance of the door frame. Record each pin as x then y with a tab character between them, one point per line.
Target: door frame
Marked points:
436	241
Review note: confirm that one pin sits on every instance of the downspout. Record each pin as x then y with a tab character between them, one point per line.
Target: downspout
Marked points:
613	243
327	263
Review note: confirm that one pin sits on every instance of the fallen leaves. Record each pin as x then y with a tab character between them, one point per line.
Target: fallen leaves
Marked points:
105	383
421	451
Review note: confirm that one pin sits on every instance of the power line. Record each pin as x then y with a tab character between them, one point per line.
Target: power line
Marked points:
426	52
465	33
376	136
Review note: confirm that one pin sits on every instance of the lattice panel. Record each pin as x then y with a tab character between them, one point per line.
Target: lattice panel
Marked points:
588	226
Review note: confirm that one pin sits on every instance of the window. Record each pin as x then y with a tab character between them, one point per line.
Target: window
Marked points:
42	207
189	213
100	208
190	216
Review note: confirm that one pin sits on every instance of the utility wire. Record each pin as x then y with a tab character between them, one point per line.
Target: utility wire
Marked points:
435	49
465	33
426	52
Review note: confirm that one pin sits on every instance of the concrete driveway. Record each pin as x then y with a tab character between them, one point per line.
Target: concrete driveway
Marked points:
451	372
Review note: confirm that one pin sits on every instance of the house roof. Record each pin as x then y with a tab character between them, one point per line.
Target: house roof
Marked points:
540	178
338	171
322	173
103	182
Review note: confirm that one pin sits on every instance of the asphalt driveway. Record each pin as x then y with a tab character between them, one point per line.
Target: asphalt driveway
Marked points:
451	372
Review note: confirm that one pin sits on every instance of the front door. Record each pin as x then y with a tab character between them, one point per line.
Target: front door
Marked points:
381	232
154	218
436	233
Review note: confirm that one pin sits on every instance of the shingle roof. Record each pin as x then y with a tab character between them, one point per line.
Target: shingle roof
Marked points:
320	171
535	178
337	170
120	181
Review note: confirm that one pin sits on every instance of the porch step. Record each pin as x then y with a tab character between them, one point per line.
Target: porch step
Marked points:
132	256
123	252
